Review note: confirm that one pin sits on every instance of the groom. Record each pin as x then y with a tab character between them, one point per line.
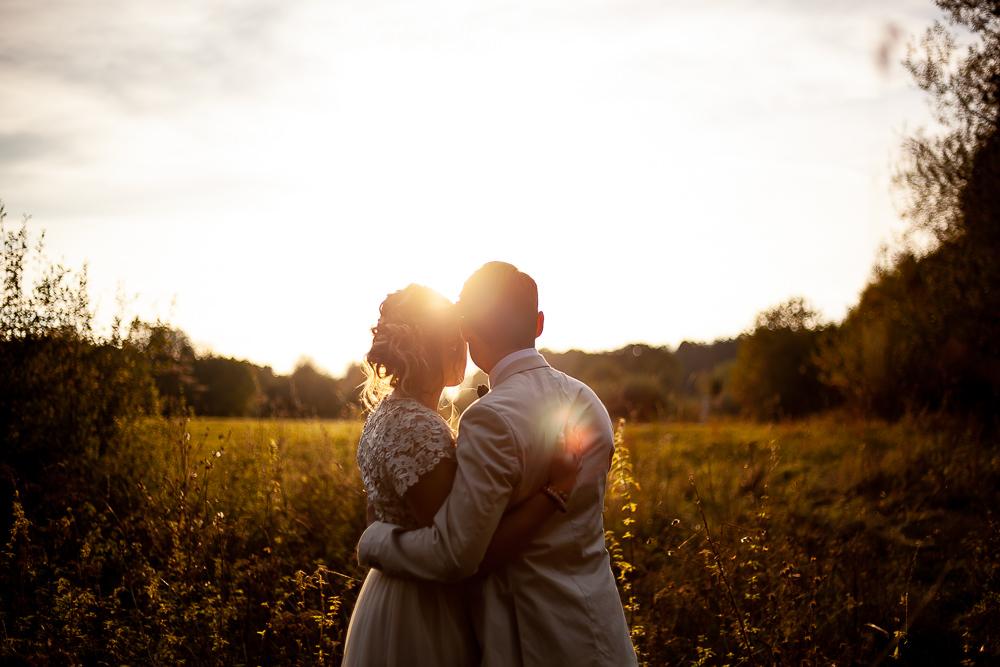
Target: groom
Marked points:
555	603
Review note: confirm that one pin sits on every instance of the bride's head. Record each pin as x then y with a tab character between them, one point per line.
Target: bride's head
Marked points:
417	346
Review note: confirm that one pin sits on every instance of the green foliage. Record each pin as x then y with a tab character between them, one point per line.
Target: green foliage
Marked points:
698	358
321	393
637	382
63	391
172	358
226	387
924	335
775	374
923	338
964	93
57	301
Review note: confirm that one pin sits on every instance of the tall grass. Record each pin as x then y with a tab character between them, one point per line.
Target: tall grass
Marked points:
208	543
820	542
232	543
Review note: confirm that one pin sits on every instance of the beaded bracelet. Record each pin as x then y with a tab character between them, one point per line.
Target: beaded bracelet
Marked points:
555	496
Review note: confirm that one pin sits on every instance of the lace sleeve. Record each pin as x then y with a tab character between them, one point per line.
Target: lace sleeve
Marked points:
422	440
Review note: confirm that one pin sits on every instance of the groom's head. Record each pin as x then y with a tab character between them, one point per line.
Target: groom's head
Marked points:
499	307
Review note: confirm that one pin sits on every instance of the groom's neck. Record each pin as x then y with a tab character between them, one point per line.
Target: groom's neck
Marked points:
495	356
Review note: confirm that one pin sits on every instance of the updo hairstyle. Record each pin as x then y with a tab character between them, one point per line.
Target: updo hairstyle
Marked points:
414	325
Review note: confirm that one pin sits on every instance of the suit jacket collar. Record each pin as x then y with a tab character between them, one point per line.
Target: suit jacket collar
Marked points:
526	363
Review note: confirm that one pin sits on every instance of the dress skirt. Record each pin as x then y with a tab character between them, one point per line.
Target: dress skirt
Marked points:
407	622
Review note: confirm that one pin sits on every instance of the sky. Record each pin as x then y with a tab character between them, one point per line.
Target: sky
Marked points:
262	173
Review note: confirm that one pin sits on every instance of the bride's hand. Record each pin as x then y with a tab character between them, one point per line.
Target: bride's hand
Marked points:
567	462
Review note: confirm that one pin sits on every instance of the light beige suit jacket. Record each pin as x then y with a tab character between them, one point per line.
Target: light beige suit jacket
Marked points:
556	603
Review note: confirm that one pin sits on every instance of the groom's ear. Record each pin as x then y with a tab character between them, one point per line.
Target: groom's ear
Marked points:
540	325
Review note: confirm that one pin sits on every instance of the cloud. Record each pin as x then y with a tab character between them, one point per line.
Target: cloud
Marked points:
89	86
16	146
147	54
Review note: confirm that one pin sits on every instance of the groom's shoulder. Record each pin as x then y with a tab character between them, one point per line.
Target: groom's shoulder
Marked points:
575	387
566	377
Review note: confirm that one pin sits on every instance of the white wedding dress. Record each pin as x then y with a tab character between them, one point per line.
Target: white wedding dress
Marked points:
402	621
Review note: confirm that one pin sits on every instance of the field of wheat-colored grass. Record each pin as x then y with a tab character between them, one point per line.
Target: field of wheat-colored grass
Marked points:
232	542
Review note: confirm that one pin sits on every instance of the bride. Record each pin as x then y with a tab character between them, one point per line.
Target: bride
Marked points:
407	460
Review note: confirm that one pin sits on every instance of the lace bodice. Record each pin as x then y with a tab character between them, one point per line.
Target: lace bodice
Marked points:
402	440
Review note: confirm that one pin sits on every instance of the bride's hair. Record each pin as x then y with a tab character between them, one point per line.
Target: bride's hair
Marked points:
413	326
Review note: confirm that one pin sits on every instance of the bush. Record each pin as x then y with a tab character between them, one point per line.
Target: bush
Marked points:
64	392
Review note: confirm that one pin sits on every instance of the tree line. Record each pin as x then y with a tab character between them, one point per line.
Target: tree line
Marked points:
218	386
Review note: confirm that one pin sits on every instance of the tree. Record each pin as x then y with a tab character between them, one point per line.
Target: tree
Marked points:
936	169
636	382
775	374
57	301
704	360
316	393
172	358
226	387
925	335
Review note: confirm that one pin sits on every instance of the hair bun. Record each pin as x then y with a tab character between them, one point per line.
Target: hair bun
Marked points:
392	343
406	346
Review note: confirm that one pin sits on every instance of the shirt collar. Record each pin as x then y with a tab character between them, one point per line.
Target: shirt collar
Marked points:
508	360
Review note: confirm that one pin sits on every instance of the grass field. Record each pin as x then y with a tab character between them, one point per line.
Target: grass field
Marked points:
823	542
231	542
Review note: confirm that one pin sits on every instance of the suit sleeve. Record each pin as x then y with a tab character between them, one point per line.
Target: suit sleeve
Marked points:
452	548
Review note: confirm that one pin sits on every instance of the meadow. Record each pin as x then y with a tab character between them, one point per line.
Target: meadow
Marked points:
828	541
231	542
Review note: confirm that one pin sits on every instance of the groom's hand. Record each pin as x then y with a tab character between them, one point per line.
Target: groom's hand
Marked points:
567	462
